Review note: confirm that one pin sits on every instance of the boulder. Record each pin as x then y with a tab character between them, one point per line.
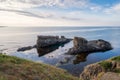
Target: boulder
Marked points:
81	45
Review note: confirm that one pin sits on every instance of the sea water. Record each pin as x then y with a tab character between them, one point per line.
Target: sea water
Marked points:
12	38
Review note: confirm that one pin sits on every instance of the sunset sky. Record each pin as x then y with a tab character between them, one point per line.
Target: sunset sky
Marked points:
59	12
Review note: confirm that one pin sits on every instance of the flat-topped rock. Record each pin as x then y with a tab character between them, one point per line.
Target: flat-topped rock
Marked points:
81	45
46	41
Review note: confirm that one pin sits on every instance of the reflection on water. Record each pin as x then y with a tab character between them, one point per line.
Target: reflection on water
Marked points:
73	59
80	58
13	38
45	50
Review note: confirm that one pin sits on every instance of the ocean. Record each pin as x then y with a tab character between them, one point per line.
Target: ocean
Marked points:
12	38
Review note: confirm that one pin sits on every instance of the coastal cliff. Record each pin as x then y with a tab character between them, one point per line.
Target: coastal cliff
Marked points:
104	70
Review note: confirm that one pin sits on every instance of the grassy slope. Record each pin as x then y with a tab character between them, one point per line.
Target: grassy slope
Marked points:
13	68
100	70
107	64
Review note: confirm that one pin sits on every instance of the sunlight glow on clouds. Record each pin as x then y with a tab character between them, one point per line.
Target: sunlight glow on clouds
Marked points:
59	12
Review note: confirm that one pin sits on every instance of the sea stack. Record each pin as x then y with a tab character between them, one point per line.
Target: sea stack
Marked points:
81	45
46	41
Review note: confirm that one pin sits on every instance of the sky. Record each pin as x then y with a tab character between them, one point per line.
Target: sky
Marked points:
59	12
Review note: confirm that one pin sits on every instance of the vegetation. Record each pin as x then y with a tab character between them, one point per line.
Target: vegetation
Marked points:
116	59
117	70
13	68
109	66
106	65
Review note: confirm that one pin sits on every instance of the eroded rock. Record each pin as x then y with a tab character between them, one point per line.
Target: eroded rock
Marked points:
46	44
91	71
102	70
46	41
79	42
81	45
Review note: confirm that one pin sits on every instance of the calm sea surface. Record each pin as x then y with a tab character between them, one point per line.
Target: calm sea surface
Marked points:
12	38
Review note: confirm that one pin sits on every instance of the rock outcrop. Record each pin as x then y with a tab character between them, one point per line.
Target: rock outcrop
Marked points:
46	41
91	72
102	70
46	44
81	45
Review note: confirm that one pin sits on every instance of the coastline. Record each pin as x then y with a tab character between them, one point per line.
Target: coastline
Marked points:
16	68
52	58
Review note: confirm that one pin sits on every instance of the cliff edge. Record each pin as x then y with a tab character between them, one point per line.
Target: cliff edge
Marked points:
104	70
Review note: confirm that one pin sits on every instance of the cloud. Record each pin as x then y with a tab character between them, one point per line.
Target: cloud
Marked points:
20	4
63	4
44	14
95	8
22	13
66	12
13	19
115	9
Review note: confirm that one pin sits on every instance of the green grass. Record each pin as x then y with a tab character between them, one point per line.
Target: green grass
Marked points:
106	65
117	70
13	68
116	59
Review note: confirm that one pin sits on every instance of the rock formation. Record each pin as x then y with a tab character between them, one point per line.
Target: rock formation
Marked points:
46	41
46	44
91	72
81	45
102	70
